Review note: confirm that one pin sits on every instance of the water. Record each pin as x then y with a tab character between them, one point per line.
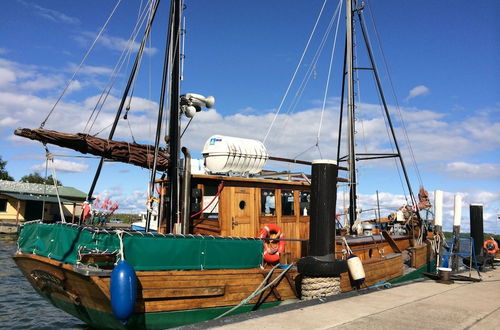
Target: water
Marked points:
20	306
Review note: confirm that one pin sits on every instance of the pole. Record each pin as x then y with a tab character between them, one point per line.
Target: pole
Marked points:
351	116
378	208
438	223
159	125
457	217
323	206
174	143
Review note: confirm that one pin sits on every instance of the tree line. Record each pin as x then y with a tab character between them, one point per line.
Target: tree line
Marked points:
30	178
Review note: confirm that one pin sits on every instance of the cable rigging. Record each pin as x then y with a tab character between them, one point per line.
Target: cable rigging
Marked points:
42	125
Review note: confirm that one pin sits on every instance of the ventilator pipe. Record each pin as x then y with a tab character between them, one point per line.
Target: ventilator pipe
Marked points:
185	192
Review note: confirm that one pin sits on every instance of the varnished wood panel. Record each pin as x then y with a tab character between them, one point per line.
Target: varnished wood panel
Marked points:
160	291
376	270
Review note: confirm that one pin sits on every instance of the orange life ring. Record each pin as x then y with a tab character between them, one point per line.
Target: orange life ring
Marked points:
272	249
490	246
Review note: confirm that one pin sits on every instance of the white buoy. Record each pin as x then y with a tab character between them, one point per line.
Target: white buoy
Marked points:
356	269
438	207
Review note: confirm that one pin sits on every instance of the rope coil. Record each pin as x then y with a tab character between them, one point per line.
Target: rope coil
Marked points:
318	287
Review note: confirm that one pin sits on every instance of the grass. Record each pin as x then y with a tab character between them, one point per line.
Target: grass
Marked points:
487	236
126	218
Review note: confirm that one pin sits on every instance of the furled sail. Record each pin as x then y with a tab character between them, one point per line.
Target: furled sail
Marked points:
132	153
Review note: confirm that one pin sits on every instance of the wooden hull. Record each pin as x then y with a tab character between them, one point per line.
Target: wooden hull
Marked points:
376	270
164	298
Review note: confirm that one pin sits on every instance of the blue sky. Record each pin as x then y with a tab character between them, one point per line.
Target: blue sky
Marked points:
442	56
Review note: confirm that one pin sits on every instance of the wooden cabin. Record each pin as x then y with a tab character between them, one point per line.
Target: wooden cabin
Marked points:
244	206
241	207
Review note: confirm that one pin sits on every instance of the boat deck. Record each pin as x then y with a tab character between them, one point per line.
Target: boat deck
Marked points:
424	304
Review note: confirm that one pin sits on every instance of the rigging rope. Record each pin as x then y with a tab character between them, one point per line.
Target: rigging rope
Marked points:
309	73
329	75
295	73
259	289
81	63
311	68
379	43
358	85
50	159
118	66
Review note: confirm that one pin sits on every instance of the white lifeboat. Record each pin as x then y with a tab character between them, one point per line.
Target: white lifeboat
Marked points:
225	154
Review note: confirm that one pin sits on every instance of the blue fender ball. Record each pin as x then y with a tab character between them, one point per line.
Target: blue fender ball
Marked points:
123	290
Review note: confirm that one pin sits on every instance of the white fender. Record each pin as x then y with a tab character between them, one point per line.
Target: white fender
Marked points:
356	269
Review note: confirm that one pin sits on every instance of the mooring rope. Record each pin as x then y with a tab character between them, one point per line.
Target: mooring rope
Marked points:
317	287
259	289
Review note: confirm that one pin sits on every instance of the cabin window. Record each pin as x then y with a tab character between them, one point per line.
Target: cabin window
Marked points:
242	205
268	202
287	202
305	201
3	205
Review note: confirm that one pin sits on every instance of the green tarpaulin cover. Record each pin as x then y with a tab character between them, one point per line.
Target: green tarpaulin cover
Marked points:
63	242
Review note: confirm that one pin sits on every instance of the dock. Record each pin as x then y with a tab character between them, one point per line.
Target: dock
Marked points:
422	304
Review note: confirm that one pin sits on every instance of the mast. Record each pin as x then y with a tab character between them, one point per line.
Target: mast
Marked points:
125	94
350	113
386	110
173	134
352	157
164	80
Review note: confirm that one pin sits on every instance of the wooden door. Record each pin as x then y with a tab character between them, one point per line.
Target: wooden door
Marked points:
243	213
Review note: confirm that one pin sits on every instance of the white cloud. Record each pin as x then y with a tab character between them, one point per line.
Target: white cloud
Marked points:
92	70
128	202
50	14
113	43
8	122
417	91
62	166
7	77
463	170
41	82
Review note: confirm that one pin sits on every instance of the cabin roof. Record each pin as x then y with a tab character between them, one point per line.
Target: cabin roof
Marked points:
14	187
250	180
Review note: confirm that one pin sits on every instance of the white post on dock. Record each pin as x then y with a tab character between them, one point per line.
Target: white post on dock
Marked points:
438	223
457	217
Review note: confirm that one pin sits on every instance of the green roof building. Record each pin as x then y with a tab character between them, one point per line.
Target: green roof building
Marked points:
21	201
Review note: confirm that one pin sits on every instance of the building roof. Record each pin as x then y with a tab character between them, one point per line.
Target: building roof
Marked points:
40	189
40	198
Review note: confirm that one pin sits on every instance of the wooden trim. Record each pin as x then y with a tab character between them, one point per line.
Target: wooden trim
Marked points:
229	179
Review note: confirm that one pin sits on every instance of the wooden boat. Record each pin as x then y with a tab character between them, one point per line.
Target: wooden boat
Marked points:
206	259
